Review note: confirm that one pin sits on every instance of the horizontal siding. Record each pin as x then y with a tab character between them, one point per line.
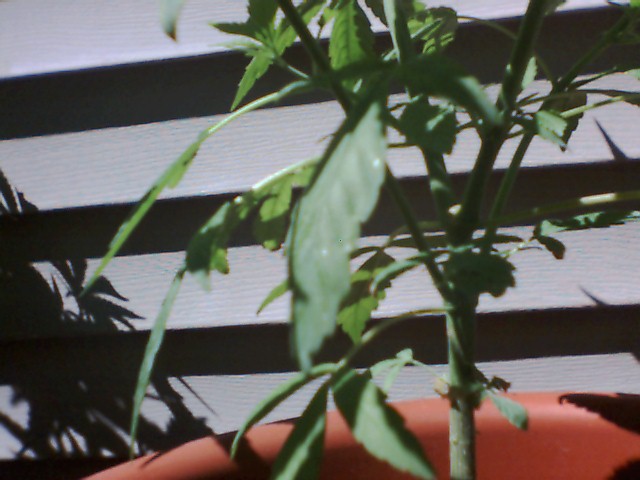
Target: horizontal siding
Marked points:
83	143
37	38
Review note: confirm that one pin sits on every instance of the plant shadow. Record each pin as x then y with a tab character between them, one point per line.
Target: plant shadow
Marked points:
56	405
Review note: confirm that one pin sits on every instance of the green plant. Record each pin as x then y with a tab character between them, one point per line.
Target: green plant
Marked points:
464	252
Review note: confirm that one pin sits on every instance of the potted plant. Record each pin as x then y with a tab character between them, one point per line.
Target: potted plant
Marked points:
464	250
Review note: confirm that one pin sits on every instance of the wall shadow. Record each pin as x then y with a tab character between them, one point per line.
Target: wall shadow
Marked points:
72	410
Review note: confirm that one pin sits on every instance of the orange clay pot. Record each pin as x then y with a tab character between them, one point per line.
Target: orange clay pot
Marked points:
573	436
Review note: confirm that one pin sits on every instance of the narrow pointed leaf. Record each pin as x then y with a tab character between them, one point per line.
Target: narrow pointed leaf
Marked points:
274	294
351	38
392	368
286	34
397	23
530	73
361	301
301	455
169	13
270	224
435	27
588	220
151	351
275	398
512	411
377	426
326	225
257	67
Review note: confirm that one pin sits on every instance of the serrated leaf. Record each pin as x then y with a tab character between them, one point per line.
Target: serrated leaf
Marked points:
151	351
207	249
477	273
409	8
257	67
530	73
579	99
439	76
435	27
266	406
432	127
270	224
286	34
277	292
377	426
357	307
301	455
550	126
169	13
326	225
351	39
585	221
511	410
261	13
384	276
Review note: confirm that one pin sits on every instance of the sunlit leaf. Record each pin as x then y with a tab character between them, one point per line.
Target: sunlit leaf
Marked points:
435	27
169	13
286	34
278	291
530	73
151	351
477	273
257	67
301	455
275	398
357	307
588	220
441	77
512	411
377	426
326	225
391	367
351	37
635	73
550	126
207	249
432	127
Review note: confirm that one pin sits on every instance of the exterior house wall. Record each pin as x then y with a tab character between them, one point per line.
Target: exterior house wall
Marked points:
96	102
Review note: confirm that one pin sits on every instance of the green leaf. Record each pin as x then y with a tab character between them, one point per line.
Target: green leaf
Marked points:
432	127
392	367
170	178
277	292
550	126
351	39
399	30
150	353
169	13
261	13
326	225
579	99
635	73
530	73
286	34
384	276
301	455
588	220
512	411
441	77
435	27
207	249
270	224
257	67
377	426
478	273
356	308
275	398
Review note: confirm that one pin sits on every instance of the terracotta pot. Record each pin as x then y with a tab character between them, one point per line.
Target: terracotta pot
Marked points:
573	436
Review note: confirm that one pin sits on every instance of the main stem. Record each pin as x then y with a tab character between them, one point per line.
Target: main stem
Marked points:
461	333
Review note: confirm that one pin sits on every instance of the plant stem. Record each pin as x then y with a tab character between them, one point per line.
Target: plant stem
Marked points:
313	48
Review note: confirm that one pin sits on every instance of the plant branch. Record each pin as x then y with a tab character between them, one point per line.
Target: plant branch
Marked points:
313	48
588	202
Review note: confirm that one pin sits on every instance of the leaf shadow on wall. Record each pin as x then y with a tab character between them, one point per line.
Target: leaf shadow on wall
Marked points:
73	408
